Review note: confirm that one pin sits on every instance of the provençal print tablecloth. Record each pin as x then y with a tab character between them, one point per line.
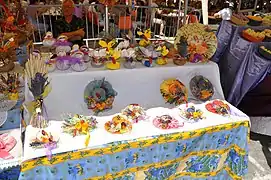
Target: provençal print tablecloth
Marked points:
217	152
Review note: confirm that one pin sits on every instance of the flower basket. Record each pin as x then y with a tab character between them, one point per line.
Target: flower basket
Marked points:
251	38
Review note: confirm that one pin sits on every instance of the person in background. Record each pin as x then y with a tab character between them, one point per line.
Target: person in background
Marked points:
171	4
225	13
33	14
78	10
70	25
156	16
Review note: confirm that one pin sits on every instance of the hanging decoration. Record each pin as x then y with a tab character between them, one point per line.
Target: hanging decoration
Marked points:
37	80
134	113
195	42
173	91
118	125
201	88
166	122
99	95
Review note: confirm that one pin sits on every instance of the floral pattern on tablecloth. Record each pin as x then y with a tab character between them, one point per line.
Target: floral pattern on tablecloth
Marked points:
10	173
203	153
13	120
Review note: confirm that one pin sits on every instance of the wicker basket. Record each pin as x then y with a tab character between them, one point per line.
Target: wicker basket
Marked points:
251	38
238	21
266	22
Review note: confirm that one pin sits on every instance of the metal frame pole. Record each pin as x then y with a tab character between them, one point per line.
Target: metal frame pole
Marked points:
179	12
185	10
106	19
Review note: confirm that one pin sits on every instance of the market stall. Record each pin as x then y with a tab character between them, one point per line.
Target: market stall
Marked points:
242	65
213	144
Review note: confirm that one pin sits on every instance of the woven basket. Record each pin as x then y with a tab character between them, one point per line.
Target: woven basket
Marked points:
238	22
251	38
266	22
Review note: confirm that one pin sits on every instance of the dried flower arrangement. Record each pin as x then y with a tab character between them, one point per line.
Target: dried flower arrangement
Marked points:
36	72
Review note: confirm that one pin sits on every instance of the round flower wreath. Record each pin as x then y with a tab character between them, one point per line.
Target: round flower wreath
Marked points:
99	95
196	42
174	92
201	88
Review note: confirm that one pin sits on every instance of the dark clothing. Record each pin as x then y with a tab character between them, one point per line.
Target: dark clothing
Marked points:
258	101
62	26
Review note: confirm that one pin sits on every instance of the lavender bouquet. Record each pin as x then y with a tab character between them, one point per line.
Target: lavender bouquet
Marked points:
36	72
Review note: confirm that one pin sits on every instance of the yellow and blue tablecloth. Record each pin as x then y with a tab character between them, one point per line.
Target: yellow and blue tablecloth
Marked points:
217	152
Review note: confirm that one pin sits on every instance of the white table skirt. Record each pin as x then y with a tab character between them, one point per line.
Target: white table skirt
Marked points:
140	85
143	129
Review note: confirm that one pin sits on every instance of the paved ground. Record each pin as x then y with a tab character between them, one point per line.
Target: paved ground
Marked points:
258	168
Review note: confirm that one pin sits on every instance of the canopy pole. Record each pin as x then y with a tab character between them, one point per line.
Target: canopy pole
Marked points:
204	6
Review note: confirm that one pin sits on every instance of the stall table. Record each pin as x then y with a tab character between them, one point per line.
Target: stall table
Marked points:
140	85
214	147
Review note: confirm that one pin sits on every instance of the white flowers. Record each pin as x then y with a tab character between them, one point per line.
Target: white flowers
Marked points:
128	53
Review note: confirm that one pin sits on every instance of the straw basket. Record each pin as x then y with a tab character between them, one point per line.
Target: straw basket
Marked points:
238	21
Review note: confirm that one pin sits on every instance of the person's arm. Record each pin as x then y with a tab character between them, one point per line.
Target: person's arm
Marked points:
78	29
219	13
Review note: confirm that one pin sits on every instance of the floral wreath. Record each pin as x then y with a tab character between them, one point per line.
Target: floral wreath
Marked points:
201	88
191	114
118	125
134	112
218	107
197	40
174	92
99	95
166	122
